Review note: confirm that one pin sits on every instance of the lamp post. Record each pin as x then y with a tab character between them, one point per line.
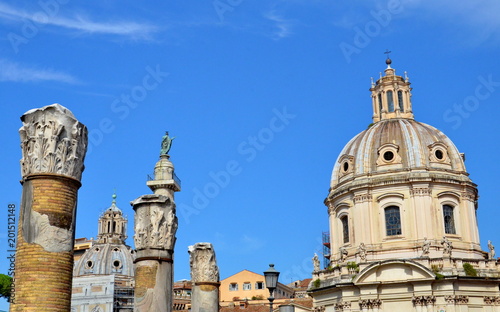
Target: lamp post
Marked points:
271	276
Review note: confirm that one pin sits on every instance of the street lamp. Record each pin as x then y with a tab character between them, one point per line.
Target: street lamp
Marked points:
271	276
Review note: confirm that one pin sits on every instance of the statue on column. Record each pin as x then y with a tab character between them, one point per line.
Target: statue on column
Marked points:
491	254
316	263
166	144
447	246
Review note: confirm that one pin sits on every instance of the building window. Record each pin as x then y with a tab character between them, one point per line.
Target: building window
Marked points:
400	101
449	220
380	102
259	285
247	286
345	228
390	101
233	287
392	221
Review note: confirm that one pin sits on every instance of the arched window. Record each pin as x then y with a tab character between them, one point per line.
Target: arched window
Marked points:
400	101
380	102
392	221
390	101
345	228
449	220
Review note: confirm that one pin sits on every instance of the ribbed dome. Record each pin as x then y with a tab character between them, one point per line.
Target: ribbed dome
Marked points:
397	144
106	259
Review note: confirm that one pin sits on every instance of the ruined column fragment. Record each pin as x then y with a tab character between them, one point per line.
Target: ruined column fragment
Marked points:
205	278
155	228
53	147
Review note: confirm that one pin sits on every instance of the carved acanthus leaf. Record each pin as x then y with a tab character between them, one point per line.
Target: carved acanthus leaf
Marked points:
203	263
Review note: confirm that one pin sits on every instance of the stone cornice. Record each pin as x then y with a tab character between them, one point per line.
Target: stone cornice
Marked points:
52	141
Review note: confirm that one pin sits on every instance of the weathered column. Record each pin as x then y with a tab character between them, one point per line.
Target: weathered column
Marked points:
154	238
155	227
53	146
205	278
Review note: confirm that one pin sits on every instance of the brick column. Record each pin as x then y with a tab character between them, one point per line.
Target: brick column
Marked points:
205	278
53	145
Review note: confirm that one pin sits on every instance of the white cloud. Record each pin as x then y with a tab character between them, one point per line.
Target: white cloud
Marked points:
282	27
15	72
82	24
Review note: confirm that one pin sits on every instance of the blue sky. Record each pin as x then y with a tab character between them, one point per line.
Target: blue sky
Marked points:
261	97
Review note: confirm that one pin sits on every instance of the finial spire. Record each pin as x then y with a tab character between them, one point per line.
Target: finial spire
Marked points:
388	61
114	197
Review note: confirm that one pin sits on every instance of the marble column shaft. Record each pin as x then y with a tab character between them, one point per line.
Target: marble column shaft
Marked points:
155	228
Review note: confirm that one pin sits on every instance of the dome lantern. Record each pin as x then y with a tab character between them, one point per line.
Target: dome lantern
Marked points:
391	96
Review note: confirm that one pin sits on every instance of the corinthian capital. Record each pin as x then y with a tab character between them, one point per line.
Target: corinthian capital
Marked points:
203	263
52	141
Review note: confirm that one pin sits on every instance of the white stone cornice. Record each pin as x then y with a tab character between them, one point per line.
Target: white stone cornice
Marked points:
52	141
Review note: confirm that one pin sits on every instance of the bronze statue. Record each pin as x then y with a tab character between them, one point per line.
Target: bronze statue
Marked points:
166	144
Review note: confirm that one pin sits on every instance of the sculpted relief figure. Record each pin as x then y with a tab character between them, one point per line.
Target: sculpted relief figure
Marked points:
447	246
491	254
362	251
425	247
343	253
316	263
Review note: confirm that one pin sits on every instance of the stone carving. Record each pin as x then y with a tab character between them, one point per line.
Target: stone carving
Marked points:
426	247
319	309
361	198
456	299
166	144
154	228
423	300
491	254
362	251
341	305
447	247
343	254
203	263
492	299
469	196
370	303
420	191
316	263
52	141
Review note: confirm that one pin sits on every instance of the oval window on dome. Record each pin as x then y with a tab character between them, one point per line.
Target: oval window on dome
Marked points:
388	156
439	154
116	263
90	264
345	166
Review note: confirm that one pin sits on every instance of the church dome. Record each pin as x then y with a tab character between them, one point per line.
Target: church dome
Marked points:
397	145
106	259
110	254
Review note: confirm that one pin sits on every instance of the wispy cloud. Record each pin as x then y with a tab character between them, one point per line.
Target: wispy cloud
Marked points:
15	72
80	23
282	27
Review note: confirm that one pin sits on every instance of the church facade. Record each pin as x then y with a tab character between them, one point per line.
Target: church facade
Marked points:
402	218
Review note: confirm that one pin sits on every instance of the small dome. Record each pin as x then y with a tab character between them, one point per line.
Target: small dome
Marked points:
394	145
106	259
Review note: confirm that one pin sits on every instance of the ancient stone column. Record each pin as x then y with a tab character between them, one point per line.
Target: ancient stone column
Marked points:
155	228
205	278
53	146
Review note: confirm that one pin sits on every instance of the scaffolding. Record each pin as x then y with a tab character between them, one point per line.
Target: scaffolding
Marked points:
326	250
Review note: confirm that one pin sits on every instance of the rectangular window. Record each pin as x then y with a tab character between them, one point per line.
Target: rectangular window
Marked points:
345	229
247	286
259	285
233	287
392	221
449	220
390	101
400	101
